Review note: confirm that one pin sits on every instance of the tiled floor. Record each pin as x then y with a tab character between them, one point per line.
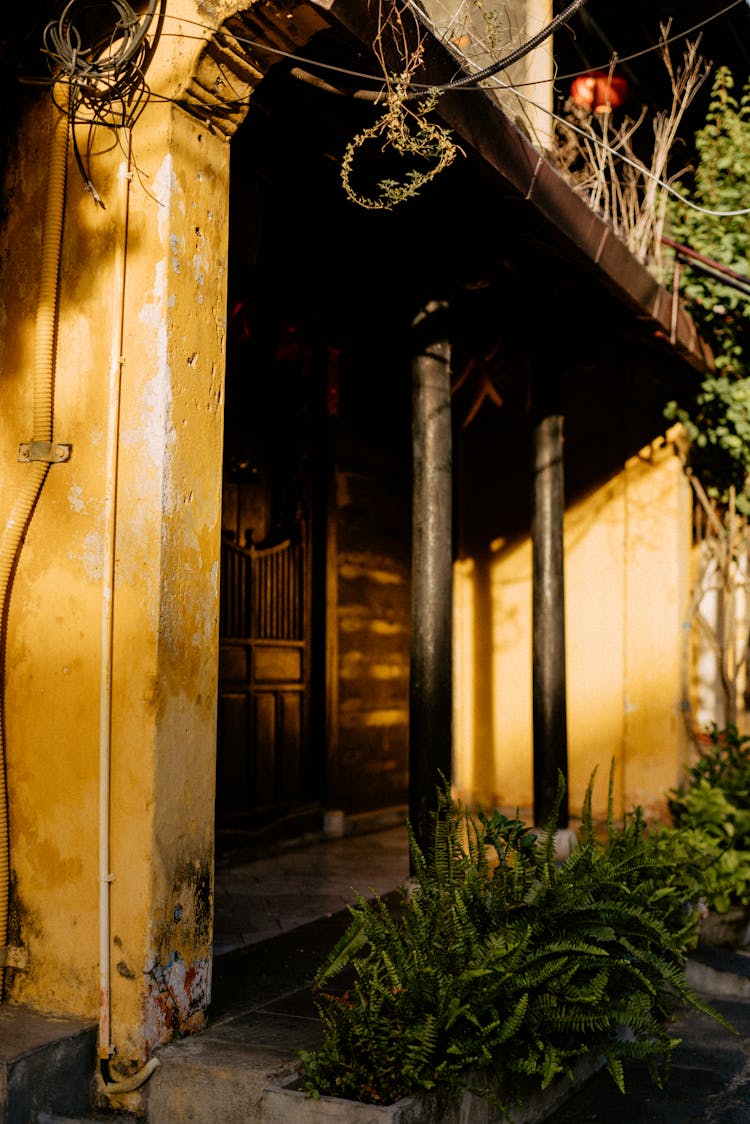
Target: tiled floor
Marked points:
264	898
276	919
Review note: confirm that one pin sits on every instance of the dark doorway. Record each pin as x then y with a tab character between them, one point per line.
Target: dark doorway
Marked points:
318	458
267	773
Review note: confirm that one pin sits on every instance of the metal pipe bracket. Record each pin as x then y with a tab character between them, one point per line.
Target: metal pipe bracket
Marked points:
13	957
49	451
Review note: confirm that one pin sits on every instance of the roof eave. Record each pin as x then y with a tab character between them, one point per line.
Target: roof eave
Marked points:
478	120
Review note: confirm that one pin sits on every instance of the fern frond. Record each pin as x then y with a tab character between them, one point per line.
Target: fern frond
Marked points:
611	800
342	953
587	818
511	1025
614	1066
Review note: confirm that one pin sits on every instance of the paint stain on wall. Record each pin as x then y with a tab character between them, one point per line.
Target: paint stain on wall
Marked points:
178	988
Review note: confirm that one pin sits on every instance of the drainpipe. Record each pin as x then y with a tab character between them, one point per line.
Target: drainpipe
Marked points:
39	453
106	1050
548	600
430	685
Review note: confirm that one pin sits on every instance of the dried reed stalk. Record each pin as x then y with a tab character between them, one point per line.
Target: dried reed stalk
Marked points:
627	193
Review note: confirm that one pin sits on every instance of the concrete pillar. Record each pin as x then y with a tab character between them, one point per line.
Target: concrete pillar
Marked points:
430	692
166	582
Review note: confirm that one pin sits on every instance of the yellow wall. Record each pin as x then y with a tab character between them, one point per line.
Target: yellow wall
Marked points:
626	567
165	638
166	591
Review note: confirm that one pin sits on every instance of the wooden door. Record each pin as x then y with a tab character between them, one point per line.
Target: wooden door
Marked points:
263	680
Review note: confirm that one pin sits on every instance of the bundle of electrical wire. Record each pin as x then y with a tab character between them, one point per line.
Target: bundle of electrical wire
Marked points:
105	77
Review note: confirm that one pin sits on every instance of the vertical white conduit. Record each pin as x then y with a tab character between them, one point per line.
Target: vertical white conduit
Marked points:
107	608
107	626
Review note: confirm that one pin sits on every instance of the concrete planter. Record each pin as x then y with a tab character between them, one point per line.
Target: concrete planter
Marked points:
525	1104
725	930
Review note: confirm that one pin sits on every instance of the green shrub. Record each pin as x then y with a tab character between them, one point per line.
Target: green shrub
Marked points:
712	813
502	955
724	761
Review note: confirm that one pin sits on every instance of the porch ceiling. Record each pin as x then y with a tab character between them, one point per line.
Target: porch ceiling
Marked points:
545	222
519	285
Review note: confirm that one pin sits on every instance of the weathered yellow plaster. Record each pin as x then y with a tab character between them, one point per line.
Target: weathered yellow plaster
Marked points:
166	591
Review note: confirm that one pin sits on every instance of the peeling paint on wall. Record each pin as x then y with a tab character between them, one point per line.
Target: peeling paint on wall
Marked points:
165	187
176	247
177	995
178	988
23	930
206	616
76	500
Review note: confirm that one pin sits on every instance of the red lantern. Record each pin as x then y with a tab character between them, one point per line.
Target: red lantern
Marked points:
599	91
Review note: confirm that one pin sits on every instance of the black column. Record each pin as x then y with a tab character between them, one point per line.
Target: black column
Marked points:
548	598
430	688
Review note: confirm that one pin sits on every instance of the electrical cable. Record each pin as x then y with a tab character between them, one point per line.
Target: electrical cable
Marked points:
70	48
519	53
105	79
658	46
363	76
297	72
514	56
62	41
301	74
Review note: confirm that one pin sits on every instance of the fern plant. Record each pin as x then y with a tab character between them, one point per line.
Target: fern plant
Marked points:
500	955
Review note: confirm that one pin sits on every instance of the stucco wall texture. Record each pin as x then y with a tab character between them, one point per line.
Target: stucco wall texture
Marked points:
166	227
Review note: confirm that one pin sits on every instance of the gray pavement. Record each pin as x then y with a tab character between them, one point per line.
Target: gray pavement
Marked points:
709	1082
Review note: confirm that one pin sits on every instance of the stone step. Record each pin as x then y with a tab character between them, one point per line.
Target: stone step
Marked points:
224	1073
206	1079
720	972
46	1065
112	1118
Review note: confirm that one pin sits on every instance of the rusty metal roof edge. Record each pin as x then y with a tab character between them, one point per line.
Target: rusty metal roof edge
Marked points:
479	121
544	188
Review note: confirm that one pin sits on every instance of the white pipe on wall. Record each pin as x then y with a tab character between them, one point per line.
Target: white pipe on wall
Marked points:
106	877
107	610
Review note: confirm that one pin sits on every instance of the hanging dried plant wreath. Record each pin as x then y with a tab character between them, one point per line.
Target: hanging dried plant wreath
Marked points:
403	127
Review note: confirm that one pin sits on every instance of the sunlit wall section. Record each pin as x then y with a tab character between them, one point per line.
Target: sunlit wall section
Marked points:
463	678
596	562
657	546
510	669
627	548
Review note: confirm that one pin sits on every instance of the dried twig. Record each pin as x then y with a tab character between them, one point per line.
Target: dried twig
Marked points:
631	196
403	126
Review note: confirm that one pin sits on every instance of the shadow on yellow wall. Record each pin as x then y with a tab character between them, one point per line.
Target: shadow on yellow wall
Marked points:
627	550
